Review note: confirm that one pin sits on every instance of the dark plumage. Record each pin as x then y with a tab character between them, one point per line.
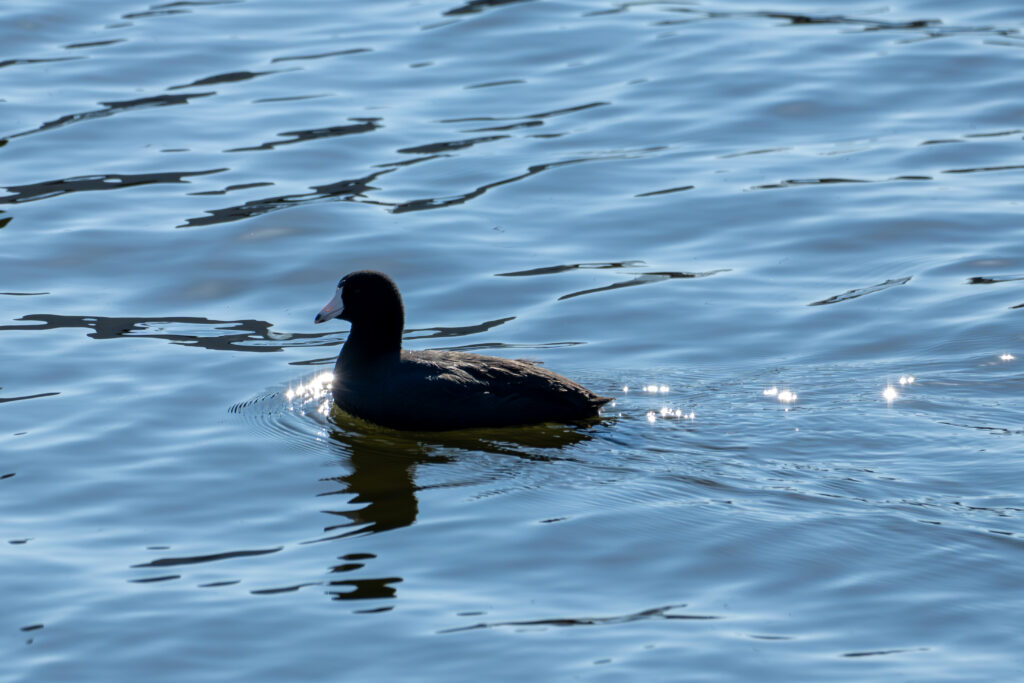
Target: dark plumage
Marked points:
376	380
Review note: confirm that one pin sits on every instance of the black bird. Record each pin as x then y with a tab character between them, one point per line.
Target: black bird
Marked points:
374	379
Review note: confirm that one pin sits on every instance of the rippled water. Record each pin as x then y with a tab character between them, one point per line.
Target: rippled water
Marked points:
786	237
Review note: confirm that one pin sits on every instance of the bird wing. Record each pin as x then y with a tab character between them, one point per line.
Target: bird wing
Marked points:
484	385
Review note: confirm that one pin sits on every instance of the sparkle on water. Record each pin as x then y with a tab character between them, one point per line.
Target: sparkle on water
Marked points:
783	395
667	412
317	388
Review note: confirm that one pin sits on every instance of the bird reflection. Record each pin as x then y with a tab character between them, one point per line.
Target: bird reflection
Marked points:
381	480
382	483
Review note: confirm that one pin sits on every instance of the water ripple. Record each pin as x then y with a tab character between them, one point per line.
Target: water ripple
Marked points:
25	398
437	147
17	62
655	613
754	464
177	7
643	279
94	43
475	6
365	125
111	108
460	331
542	115
230	77
453	200
993	279
861	291
198	559
219	335
230	188
341	190
322	55
670	190
551	270
110	181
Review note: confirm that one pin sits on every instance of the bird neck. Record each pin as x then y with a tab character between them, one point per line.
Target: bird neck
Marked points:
367	345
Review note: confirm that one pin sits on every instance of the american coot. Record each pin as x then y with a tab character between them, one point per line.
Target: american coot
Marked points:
376	380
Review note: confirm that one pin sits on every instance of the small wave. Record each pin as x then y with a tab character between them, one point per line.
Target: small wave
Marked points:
648	614
297	412
110	181
862	291
111	108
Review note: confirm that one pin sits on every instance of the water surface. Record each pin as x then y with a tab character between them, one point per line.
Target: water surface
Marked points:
786	237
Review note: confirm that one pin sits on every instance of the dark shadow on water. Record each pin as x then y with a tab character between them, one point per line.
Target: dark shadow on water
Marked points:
643	279
362	125
231	77
357	189
657	613
670	190
867	24
321	55
474	6
800	182
17	62
502	345
232	335
460	331
109	181
94	43
861	291
540	115
510	126
219	335
176	7
640	279
551	270
341	190
924	28
230	188
111	108
449	146
993	279
26	398
454	200
199	559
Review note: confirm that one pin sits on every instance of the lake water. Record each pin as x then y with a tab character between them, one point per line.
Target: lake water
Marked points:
788	239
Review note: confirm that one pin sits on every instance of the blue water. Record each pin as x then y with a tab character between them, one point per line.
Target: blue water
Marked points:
787	238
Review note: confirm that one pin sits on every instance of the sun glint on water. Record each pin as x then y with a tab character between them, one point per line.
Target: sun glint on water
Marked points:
317	387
